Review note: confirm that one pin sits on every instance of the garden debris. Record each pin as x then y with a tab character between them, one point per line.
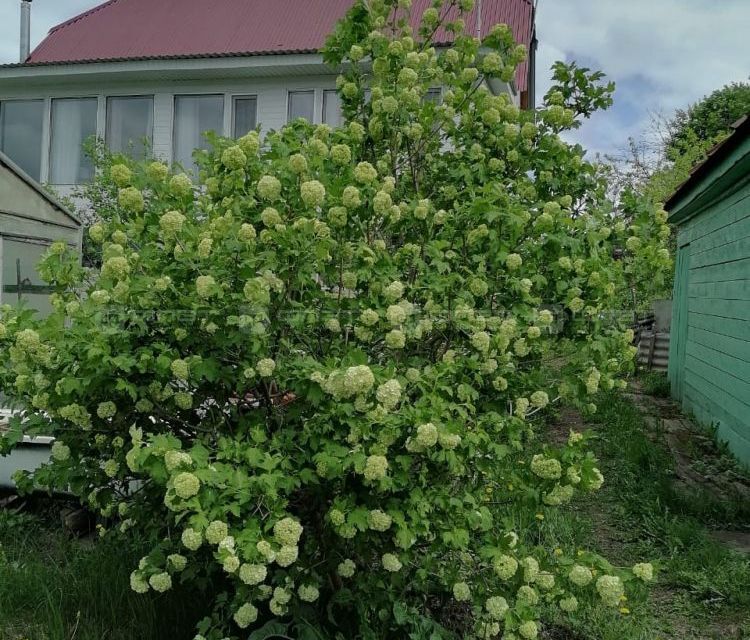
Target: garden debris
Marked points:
77	521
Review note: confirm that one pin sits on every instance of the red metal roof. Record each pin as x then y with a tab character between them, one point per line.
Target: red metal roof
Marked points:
148	29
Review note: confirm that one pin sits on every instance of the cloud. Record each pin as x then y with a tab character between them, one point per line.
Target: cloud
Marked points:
662	54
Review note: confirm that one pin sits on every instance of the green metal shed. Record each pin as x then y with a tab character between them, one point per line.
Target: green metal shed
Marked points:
30	220
709	360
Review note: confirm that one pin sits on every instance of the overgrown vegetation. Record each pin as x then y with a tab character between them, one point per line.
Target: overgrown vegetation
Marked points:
53	587
703	588
298	381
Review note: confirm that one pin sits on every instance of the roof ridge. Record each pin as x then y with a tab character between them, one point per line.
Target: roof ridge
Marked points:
81	16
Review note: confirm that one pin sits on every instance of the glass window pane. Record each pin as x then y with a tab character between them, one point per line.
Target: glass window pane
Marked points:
130	125
301	105
193	117
332	115
73	122
20	280
434	95
21	134
245	115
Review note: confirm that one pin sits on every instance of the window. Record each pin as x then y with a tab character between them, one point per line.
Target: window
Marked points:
245	115
301	105
21	134
21	281
73	122
332	115
130	125
193	117
434	95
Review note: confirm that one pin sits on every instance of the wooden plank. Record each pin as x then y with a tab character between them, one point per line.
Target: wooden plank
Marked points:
728	252
734	385
735	410
729	431
737	270
724	235
720	326
728	345
736	309
721	214
735	374
728	290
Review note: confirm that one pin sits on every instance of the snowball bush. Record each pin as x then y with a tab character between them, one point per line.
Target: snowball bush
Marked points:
312	378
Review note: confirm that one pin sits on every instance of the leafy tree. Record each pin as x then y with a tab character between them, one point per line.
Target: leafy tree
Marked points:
709	120
312	380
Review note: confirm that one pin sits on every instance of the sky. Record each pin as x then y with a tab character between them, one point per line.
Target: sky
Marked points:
662	54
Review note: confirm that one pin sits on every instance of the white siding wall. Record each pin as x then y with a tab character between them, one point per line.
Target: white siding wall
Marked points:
271	92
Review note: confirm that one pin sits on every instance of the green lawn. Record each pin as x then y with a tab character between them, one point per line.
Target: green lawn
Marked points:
52	588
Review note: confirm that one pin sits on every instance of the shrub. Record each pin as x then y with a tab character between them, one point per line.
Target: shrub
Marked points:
311	378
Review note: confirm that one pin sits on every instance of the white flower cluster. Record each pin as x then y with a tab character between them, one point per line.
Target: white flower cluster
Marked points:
497	607
245	615
461	592
355	381
376	468
644	571
389	394
610	590
391	563
547	468
505	567
379	520
287	532
346	568
216	532
580	575
186	485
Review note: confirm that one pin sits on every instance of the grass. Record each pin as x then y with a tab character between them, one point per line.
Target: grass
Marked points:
54	588
703	588
655	383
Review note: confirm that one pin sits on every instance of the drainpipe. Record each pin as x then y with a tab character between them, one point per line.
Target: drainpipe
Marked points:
479	20
25	29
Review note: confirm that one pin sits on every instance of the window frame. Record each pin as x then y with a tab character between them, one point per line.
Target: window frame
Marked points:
326	93
110	97
289	93
221	131
42	123
50	147
434	91
242	96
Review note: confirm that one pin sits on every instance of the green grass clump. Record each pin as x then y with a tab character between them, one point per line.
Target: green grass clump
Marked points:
655	383
56	588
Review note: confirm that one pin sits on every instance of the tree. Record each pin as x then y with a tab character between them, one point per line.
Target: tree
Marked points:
708	120
312	379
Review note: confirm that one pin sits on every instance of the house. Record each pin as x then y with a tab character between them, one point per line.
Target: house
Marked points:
709	361
30	220
168	71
